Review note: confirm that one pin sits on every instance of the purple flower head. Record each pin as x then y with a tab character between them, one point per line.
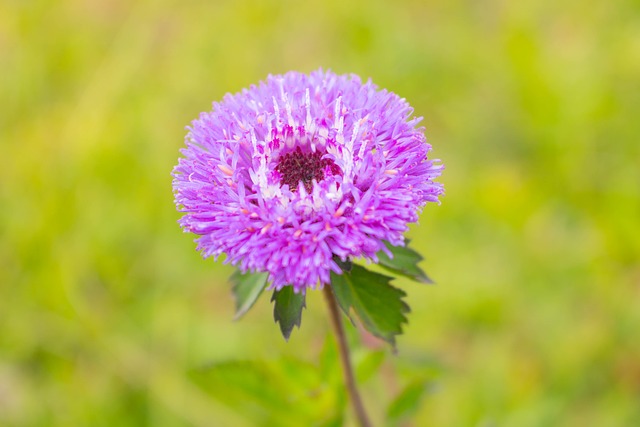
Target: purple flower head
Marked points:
287	174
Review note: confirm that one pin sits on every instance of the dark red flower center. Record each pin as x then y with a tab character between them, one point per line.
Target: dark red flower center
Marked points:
302	167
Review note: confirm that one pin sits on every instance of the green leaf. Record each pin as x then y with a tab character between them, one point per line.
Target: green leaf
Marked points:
408	401
378	304
285	392
329	363
368	364
246	290
288	309
404	262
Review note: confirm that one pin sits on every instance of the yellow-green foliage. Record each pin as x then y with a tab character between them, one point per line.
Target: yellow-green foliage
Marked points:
107	311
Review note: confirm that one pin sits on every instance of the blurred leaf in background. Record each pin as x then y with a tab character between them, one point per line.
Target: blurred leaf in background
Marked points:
106	308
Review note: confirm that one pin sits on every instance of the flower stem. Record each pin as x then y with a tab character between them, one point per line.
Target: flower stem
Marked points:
343	348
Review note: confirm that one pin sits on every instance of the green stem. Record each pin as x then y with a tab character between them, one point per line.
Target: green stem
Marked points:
343	349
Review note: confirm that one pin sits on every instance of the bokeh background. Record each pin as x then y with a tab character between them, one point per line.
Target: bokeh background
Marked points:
108	315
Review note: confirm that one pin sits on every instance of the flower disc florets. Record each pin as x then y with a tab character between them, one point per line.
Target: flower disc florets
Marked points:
286	175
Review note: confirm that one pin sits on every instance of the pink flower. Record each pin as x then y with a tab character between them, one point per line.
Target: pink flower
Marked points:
295	171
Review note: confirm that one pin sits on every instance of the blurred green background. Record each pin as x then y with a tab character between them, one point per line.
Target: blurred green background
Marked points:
107	312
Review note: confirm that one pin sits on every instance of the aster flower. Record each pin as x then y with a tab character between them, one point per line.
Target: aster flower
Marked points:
292	175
